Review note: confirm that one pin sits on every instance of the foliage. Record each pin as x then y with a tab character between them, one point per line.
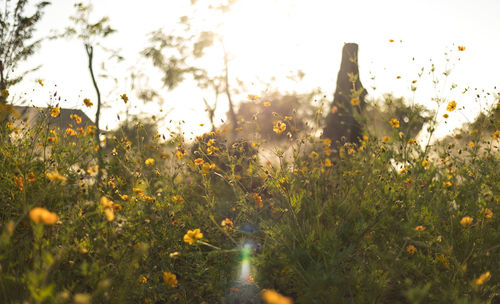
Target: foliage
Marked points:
218	221
16	33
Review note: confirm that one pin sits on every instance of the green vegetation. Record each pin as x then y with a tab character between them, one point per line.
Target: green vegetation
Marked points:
213	221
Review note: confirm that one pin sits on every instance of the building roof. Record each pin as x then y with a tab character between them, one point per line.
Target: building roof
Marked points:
33	114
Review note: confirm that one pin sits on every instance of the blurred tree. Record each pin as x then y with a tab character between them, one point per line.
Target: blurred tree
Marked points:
182	52
89	34
16	33
378	113
257	118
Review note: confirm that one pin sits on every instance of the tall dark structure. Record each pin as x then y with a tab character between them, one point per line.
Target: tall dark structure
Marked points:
341	124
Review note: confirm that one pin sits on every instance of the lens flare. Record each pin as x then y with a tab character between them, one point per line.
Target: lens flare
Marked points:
245	262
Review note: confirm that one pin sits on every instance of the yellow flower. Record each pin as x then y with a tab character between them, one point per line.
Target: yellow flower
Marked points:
206	167
386	139
92	170
461	48
91	130
426	163
452	105
110	215
488	213
39	214
394	123
149	162
253	97
77	118
70	132
124	98
31	177
313	155
10	126
106	203
180	154
496	135
447	184
328	163
355	101
199	161
138	191
288	118
192	236
87	102
178	199
485	277
125	197
55	111
267	104
465	221
170	279
212	149
272	297
40	82
411	141
54	176
279	127
4	94
411	249
419	228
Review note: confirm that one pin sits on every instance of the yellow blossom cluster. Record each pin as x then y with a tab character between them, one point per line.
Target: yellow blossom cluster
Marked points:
192	236
42	215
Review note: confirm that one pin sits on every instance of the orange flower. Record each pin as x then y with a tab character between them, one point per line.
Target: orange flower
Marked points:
258	200
77	118
394	123
419	228
178	199
87	102
170	279
272	297
55	111
488	213
199	161
70	132
496	135
411	249
18	181
452	105
355	101
124	98
228	224
485	277
42	215
461	48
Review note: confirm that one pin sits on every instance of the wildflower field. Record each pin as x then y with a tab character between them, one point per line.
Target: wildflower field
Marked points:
238	219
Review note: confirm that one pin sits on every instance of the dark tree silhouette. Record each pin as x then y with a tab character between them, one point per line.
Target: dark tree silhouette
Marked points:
349	99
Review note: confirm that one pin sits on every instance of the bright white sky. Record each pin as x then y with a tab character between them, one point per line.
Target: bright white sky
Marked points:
276	37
